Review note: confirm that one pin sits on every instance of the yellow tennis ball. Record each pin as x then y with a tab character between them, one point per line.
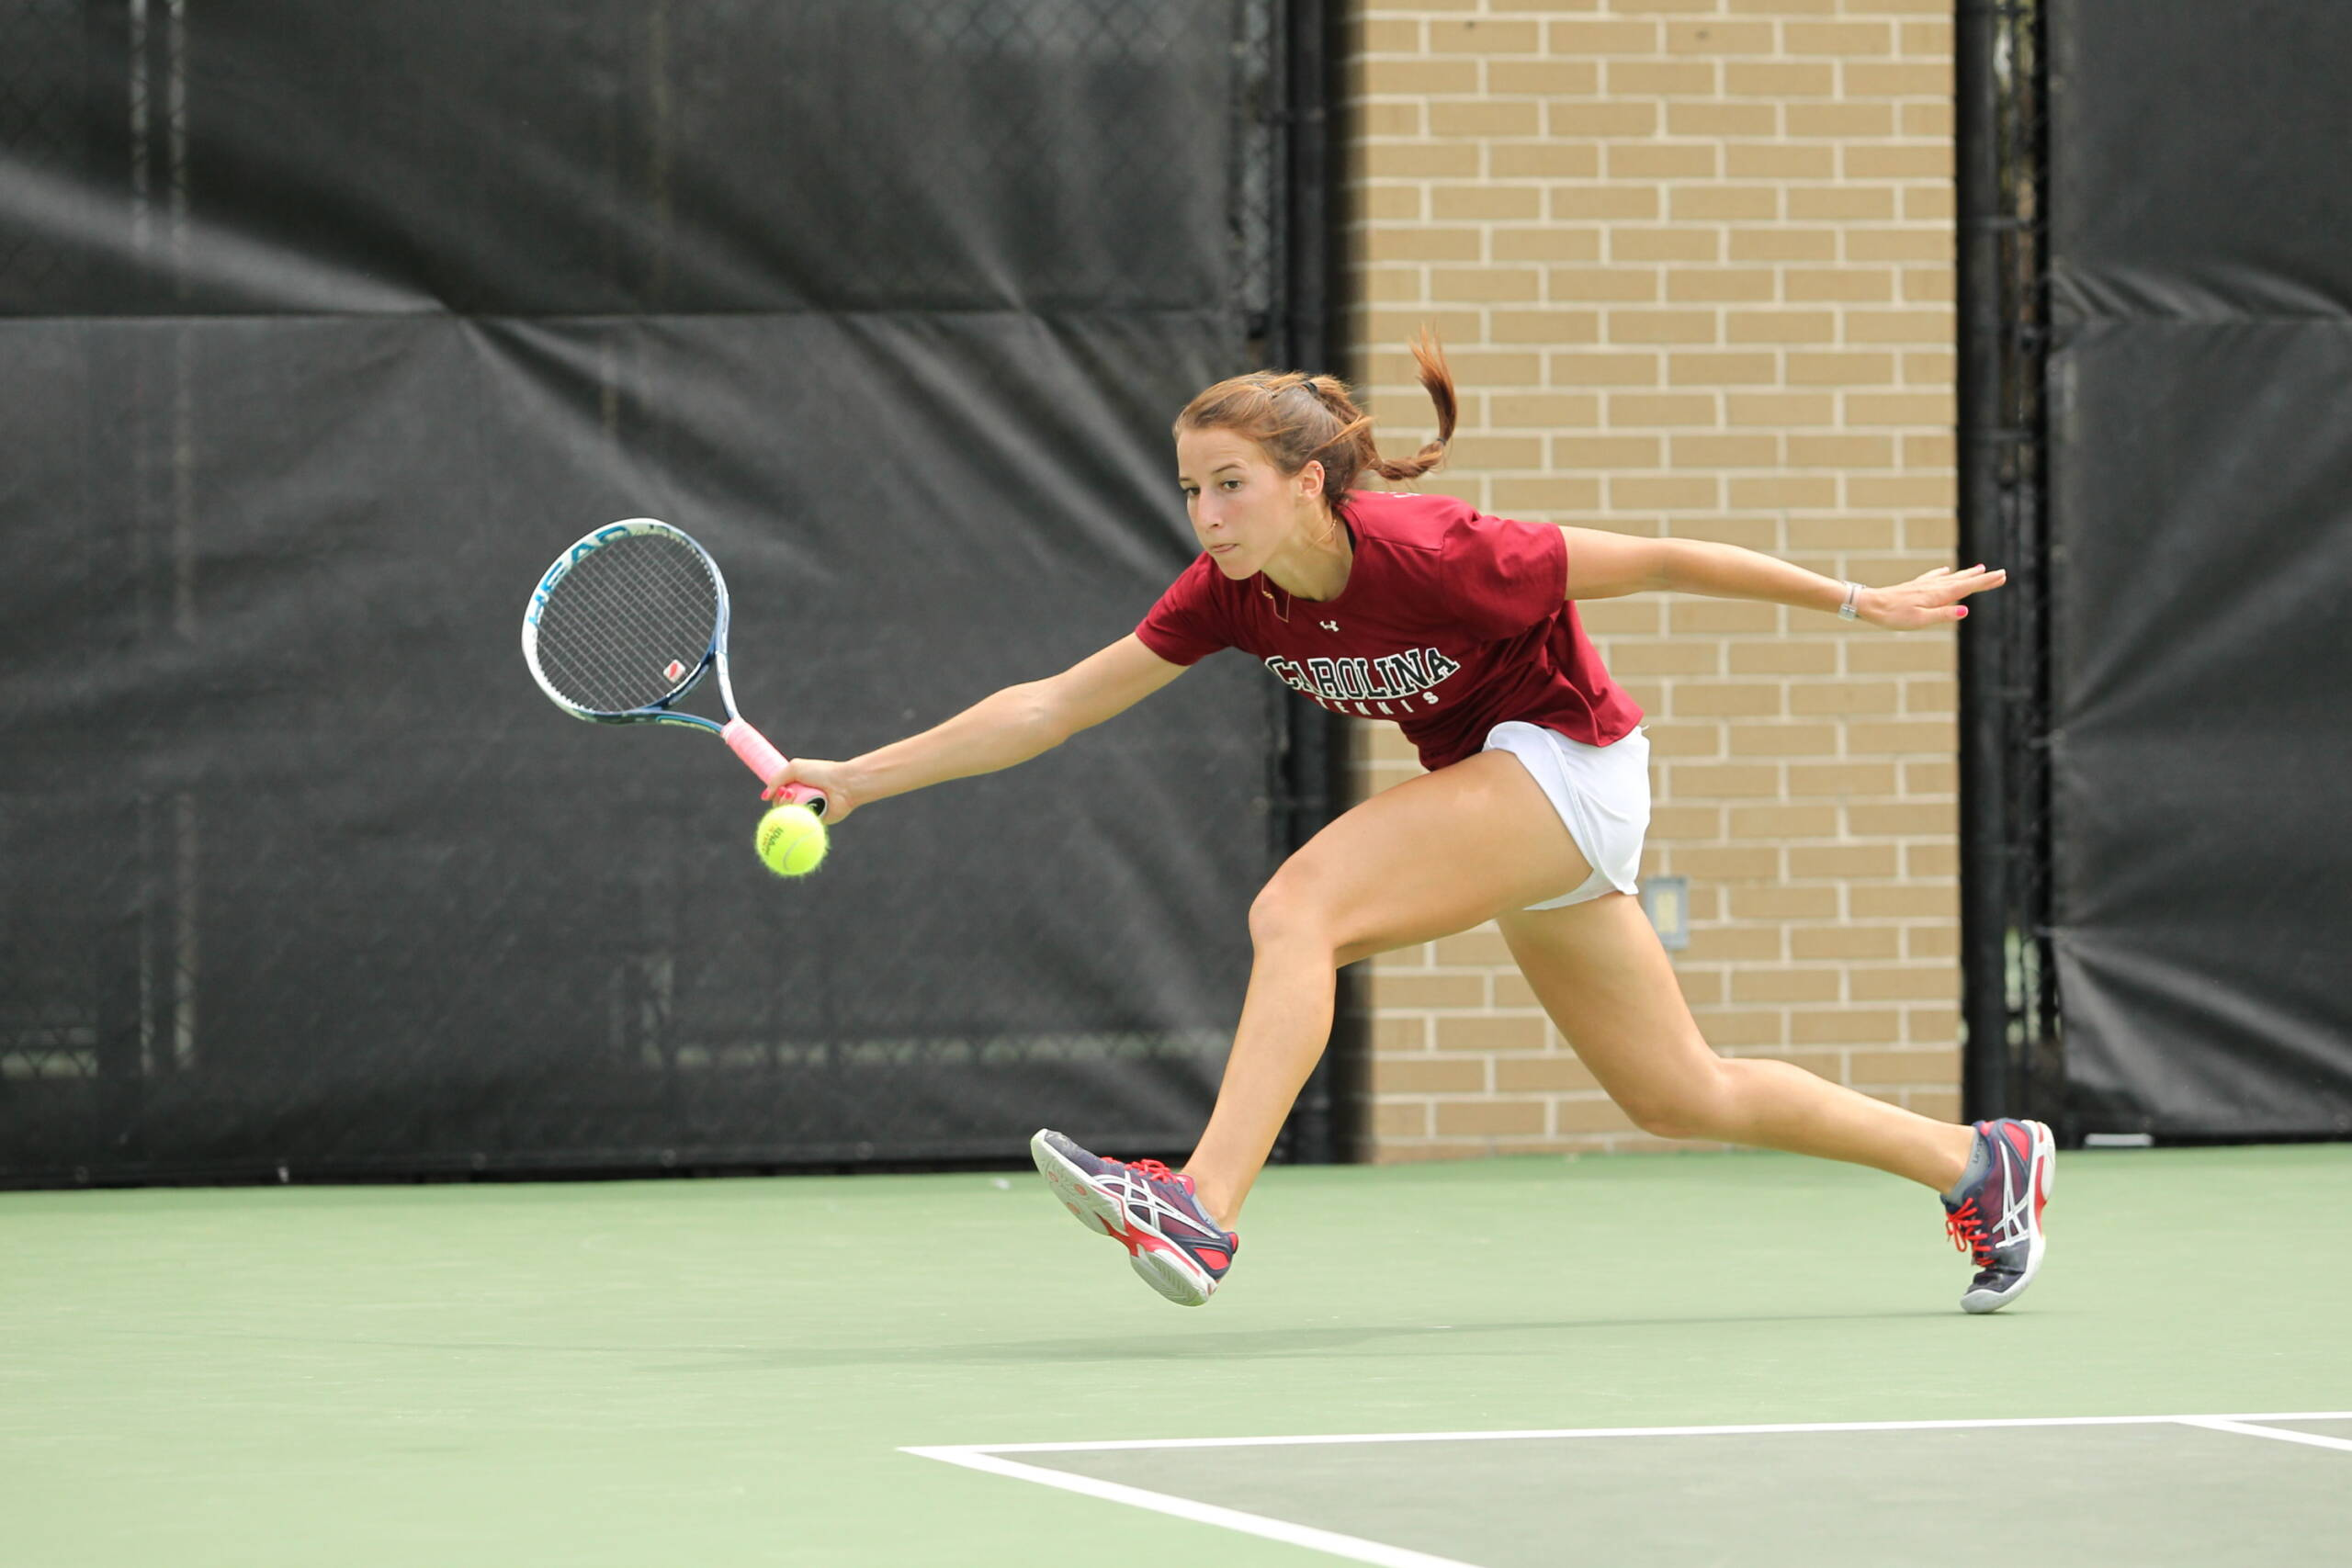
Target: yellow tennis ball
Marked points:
791	841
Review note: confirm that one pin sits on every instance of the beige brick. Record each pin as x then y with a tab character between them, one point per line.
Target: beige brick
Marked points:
1393	1033
1627	326
1843	453
1786	986
1427	991
1660	161
1745	1028
1753	369
1923	244
1721	119
1613	285
1780	410
1543	160
1904	903
1781	657
1745	245
1485	204
1545	326
1692	284
1785	491
1930	943
1605	118
1637	410
1841	204
1542	78
1842	780
1846	943
1490	1118
1845	1026
1483	947
1603	203
1547	244
1720	39
1526	497
1848	285
1662	79
1401	1119
1688	781
1492	1031
1927	982
1837	38
1785	822
1789	326
1702	617
1784	903
1413	78
1588	38
1791	161
1832	862
1419	243
1756	451
1558	1073
1479	118
1876	697
1439	1075
1871	79
1483	35
1681	242
1931	859
1783	740
1589	1115
1554	410
1706	204
1777	79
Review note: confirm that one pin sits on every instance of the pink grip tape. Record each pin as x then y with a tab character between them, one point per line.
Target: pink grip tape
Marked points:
767	762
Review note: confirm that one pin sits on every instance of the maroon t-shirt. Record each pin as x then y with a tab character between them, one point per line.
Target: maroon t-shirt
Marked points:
1451	623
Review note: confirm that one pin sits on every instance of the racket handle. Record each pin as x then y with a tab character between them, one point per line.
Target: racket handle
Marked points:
767	762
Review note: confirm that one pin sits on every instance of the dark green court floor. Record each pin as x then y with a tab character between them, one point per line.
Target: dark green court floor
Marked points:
725	1373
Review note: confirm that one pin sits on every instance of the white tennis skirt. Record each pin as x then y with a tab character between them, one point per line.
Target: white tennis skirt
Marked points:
1602	794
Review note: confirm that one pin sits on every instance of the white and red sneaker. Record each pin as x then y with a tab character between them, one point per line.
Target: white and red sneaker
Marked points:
1997	1219
1144	1207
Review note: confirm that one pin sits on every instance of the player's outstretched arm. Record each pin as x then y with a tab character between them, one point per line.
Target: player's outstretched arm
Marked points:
1001	729
1602	565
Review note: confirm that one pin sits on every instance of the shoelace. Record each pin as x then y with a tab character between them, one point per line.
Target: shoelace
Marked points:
1153	1169
1967	1233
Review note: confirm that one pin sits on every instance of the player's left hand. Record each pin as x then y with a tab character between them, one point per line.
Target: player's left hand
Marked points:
1929	600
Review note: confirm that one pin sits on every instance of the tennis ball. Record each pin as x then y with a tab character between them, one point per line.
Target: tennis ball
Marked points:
791	841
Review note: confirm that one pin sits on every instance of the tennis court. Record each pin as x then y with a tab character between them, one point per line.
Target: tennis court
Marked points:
735	1372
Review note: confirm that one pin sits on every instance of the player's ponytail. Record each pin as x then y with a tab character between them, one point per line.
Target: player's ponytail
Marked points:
1297	419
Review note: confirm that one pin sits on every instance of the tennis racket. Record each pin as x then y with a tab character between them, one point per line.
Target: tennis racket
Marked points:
625	622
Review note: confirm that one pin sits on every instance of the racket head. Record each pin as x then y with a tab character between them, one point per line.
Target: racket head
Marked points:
625	622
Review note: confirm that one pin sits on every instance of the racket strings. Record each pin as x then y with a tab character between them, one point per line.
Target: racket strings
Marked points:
620	620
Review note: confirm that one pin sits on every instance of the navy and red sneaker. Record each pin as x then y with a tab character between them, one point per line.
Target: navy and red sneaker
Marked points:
1996	1217
1144	1207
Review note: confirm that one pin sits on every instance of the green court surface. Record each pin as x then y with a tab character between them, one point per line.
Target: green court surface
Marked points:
729	1374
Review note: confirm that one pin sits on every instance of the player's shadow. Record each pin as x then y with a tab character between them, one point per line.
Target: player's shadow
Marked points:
1279	1344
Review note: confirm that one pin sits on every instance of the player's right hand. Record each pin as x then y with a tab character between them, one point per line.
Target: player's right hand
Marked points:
828	779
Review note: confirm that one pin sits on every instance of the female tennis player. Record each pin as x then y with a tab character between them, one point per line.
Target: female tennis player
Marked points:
1463	629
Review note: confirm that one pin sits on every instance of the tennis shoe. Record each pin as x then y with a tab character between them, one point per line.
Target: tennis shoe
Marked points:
1996	1218
1147	1208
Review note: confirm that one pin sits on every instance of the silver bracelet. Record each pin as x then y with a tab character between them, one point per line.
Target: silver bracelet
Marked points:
1847	612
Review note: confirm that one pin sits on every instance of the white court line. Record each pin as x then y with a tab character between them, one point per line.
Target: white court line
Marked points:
1355	1549
986	1457
1112	1444
2240	1425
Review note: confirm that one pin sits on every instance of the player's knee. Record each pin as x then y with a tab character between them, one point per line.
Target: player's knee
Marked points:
1289	912
1688	1107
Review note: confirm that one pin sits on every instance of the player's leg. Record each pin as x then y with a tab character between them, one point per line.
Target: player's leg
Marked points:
1433	856
1600	972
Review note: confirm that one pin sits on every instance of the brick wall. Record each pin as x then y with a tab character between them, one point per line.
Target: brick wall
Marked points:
1693	262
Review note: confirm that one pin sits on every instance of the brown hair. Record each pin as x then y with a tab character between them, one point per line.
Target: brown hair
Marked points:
1297	419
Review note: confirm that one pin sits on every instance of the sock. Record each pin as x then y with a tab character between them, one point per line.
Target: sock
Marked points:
1980	1160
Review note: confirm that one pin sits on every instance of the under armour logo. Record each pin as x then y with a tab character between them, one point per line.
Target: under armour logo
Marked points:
1328	626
